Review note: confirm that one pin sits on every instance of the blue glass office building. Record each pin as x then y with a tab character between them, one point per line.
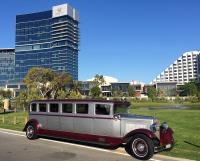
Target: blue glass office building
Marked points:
7	66
47	39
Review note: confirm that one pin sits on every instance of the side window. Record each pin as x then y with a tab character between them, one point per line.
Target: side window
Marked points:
102	109
33	107
42	107
54	107
67	108
82	108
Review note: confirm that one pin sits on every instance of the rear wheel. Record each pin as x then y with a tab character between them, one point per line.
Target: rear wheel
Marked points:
31	132
140	147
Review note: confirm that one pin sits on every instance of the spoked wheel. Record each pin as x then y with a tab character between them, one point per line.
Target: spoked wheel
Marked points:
31	132
140	147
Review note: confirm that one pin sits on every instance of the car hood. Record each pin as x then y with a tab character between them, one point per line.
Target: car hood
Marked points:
131	116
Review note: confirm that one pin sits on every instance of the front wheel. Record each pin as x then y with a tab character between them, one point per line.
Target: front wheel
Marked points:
31	132
140	147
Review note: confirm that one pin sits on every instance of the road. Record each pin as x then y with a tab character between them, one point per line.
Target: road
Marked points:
14	146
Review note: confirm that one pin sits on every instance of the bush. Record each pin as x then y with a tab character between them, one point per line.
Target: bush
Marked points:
193	99
178	100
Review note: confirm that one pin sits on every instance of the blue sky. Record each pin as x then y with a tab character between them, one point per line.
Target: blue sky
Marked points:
126	39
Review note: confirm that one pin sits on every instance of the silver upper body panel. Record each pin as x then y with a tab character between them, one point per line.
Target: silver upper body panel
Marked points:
90	122
132	122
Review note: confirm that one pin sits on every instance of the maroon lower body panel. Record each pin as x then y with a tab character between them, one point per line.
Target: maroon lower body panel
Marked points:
166	137
110	141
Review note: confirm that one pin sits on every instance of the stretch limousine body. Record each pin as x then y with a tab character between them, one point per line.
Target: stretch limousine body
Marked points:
101	122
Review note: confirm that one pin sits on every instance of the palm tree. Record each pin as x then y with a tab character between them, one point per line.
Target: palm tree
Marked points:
99	80
76	87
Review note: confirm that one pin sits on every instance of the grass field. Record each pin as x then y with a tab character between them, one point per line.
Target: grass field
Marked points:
185	123
14	121
163	104
152	104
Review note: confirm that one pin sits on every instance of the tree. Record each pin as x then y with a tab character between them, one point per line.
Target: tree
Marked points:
192	89
1	102
131	90
74	95
95	91
160	92
46	81
40	79
33	95
5	94
189	89
62	94
117	93
59	82
76	87
21	100
151	92
98	80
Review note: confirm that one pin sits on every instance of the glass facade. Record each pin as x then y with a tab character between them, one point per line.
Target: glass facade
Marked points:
46	40
7	65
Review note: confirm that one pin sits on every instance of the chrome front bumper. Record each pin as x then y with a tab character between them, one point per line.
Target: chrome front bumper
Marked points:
163	148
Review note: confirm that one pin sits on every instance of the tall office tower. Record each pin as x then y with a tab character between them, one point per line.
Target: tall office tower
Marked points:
7	66
48	39
183	70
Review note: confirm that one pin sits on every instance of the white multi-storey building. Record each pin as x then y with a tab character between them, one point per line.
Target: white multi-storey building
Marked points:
183	70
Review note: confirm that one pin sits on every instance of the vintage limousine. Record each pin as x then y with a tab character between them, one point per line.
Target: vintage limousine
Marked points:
101	122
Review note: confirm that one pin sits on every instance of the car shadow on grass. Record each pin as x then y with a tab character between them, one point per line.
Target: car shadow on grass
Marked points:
197	146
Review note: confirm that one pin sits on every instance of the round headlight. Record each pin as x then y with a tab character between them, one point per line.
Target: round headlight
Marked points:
164	125
155	127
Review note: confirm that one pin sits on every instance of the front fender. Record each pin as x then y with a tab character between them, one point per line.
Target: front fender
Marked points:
146	132
34	122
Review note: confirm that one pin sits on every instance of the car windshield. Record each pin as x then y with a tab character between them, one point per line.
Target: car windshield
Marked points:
119	109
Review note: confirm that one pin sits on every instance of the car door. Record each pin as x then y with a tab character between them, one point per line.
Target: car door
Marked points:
83	118
103	122
67	117
41	115
53	118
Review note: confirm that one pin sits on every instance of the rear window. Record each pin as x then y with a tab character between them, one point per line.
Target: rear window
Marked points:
67	108
33	107
102	109
54	107
42	107
82	108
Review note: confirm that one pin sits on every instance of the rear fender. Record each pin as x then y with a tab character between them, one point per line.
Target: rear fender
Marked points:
34	122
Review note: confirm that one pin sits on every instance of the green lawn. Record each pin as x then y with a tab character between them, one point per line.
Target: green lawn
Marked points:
151	104
9	120
163	104
185	123
186	126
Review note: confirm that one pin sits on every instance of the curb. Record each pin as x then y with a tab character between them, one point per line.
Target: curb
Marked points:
120	150
14	131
